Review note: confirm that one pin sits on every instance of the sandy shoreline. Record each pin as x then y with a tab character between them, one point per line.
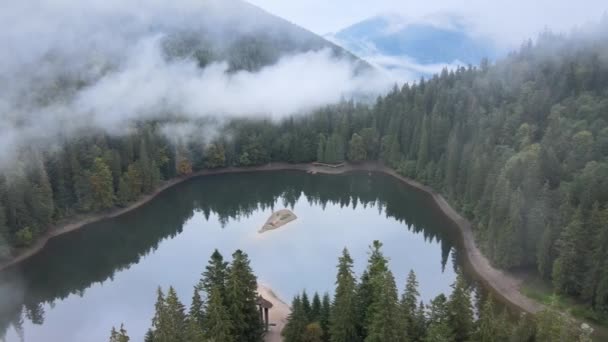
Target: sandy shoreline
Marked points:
505	284
277	315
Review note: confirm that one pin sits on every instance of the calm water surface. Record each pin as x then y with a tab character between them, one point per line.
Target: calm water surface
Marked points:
85	282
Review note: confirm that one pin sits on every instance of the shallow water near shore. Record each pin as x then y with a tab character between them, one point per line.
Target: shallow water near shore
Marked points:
85	282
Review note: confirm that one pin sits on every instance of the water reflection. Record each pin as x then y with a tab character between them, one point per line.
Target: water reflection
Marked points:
83	283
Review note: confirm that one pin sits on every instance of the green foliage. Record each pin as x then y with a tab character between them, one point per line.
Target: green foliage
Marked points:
218	326
241	296
460	310
102	187
120	335
24	237
343	317
356	149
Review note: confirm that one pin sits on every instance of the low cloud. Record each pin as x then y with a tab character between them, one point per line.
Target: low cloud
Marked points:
71	67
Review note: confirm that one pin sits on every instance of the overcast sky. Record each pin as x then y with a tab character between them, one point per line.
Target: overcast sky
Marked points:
509	21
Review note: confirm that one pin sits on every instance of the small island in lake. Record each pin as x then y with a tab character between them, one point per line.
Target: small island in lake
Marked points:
278	219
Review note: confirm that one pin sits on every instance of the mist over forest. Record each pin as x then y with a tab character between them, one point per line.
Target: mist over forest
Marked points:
104	103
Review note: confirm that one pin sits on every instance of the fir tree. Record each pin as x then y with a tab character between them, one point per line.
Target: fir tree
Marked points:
214	275
460	310
315	309
409	306
343	318
241	296
217	324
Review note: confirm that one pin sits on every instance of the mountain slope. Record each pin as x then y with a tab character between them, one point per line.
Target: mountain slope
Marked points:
245	36
393	42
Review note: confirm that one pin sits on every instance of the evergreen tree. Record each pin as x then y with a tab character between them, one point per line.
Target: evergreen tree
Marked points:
343	317
306	307
296	323
386	323
196	314
102	185
214	275
241	296
120	335
325	317
315	309
217	325
568	269
175	327
439	327
460	310
409	306
524	330
356	149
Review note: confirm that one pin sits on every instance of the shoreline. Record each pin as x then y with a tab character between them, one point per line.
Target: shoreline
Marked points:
277	315
503	283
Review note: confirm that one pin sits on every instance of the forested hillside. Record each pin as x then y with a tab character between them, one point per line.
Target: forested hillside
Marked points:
519	147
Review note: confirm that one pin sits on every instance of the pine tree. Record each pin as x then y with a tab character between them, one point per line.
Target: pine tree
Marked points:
241	296
460	310
420	324
160	329
343	317
217	324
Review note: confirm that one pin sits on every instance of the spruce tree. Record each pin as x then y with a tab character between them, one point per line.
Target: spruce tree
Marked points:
315	309
409	306
196	314
439	329
524	330
306	305
460	310
568	269
343	317
325	317
296	322
176	317
241	296
217	324
102	186
214	275
386	321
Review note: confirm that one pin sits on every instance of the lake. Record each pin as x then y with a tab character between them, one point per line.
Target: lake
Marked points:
83	283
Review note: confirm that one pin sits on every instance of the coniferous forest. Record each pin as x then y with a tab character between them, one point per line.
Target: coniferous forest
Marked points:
519	147
368	309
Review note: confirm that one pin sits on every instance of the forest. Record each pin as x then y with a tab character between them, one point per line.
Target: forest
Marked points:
519	147
367	310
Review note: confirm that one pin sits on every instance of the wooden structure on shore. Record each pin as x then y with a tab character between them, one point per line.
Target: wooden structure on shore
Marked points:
264	306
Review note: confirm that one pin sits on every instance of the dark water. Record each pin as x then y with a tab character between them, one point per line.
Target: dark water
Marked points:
85	282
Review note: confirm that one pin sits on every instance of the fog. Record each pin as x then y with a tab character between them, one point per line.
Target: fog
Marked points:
101	65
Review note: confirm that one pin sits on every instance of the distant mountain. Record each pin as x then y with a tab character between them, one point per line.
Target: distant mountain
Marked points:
418	47
245	36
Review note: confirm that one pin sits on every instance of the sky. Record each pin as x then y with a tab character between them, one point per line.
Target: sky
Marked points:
509	22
